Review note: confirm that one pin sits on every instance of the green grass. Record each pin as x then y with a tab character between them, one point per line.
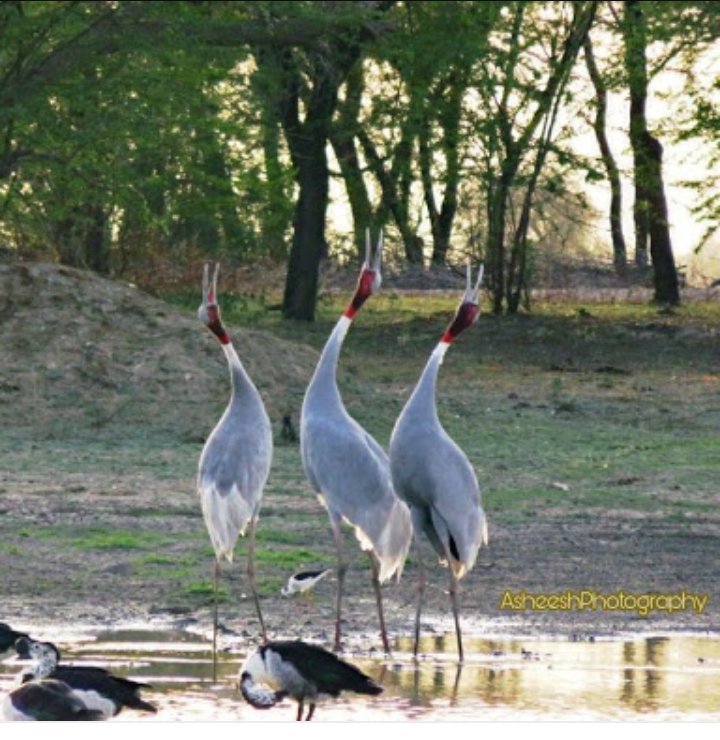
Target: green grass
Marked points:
288	559
98	538
621	407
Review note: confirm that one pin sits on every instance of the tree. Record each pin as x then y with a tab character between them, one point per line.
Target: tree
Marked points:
611	168
520	88
650	207
308	83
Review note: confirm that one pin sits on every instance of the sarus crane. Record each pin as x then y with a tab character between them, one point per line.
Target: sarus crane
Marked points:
347	468
235	462
433	475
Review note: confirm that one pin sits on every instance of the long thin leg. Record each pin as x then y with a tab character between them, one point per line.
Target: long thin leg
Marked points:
378	599
216	578
251	576
310	713
301	707
456	685
421	595
342	568
456	612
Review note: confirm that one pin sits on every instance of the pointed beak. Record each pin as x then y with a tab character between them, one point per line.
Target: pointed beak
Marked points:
209	295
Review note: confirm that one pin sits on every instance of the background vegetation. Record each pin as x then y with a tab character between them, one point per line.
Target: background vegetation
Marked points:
137	138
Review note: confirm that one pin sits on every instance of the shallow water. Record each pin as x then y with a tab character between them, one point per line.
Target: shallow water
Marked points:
508	678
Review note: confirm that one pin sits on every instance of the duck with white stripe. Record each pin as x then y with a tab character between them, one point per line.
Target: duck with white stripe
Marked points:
95	687
304	672
46	700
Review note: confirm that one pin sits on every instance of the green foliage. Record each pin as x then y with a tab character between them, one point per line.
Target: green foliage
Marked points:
140	135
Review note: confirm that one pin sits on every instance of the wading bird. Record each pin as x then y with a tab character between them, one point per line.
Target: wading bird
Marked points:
301	671
304	582
98	689
433	475
48	700
235	462
348	468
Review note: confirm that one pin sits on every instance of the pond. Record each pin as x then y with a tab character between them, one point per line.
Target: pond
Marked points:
664	677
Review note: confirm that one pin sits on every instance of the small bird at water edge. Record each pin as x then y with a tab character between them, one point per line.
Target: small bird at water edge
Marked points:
304	582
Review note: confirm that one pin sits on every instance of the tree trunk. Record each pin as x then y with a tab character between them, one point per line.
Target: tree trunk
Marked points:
446	104
665	277
611	168
307	140
308	244
650	211
81	239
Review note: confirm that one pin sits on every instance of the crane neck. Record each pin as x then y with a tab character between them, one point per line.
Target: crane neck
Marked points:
422	401
324	381
241	382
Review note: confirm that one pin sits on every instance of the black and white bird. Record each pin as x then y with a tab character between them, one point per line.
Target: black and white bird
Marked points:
304	672
46	700
8	637
304	582
97	688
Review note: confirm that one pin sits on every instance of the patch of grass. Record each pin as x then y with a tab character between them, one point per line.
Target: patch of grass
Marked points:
202	592
274	536
7	548
287	559
98	538
119	540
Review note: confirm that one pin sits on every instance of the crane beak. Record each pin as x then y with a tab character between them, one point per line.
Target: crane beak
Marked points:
472	292
209	289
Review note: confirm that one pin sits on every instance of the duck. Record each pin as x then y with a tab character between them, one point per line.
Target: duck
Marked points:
98	688
46	699
8	637
301	671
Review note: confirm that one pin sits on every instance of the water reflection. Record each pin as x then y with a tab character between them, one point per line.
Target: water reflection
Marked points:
655	677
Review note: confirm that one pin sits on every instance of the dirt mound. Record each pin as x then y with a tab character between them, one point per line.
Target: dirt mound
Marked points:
81	354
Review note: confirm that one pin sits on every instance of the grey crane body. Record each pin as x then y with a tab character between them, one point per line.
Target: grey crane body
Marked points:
347	468
434	476
235	462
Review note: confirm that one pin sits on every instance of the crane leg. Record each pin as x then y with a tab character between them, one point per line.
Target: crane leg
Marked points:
301	707
251	576
310	713
456	612
342	569
378	599
421	596
216	578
